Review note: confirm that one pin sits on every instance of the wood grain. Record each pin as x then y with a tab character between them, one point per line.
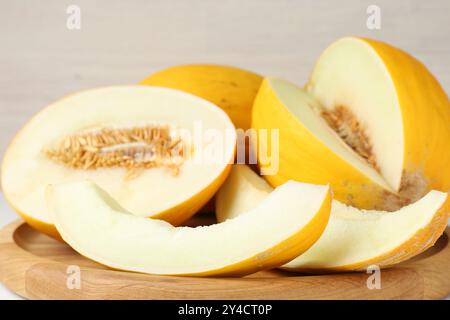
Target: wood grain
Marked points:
436	275
35	266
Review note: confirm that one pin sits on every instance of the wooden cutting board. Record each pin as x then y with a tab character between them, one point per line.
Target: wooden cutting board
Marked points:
36	266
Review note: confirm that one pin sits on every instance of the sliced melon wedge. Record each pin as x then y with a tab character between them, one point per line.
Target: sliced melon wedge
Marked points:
373	122
353	239
96	226
310	151
146	146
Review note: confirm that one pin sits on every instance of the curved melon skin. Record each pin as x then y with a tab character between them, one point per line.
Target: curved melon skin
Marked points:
353	239
230	88
24	165
185	210
425	109
90	221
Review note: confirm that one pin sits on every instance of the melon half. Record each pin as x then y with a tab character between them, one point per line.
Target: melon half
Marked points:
159	152
372	121
353	239
95	225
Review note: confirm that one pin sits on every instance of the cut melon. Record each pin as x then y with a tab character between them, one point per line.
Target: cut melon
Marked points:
239	193
309	150
230	88
373	122
94	224
153	149
353	239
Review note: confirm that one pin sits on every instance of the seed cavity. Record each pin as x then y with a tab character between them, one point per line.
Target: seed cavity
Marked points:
413	187
350	130
135	149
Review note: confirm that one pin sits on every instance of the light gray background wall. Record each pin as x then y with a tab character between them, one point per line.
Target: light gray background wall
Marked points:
123	41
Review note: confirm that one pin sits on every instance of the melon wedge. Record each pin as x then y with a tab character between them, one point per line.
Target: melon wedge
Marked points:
230	88
390	121
353	239
151	148
240	192
96	226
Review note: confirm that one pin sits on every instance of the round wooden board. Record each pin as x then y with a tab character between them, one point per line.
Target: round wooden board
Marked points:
37	267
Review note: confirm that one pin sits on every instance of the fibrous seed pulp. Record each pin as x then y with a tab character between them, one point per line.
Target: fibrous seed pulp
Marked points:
347	126
131	148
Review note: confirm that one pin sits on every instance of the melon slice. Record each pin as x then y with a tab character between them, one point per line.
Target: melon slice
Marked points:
309	150
230	88
159	152
389	119
96	226
240	192
353	239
